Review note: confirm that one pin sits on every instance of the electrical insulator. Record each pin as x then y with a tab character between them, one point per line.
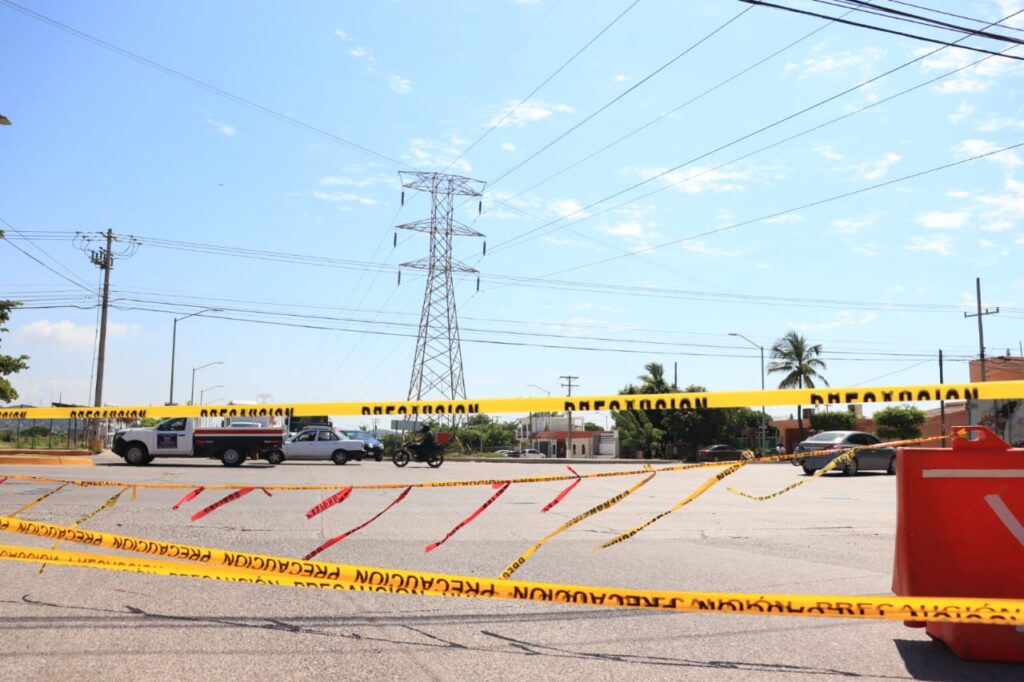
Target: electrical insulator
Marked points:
394	242
480	207
485	248
399	278
403	198
478	285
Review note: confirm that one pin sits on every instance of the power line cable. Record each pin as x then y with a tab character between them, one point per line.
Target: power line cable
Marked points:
494	126
198	82
588	216
878	28
910	17
615	99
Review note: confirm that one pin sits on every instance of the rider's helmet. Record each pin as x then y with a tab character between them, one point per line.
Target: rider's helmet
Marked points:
425	428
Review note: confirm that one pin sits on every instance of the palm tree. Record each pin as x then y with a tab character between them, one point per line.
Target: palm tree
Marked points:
800	362
654	381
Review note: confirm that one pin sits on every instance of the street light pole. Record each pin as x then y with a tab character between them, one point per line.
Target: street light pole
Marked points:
202	391
764	415
192	394
174	343
547	422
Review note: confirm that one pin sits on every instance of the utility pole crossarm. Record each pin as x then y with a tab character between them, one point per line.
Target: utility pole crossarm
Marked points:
981	330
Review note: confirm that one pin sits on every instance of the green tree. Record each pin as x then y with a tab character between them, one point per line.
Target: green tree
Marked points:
591	426
799	361
8	363
899	421
699	426
637	432
834	421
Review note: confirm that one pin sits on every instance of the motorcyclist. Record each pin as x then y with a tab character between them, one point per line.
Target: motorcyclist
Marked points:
426	443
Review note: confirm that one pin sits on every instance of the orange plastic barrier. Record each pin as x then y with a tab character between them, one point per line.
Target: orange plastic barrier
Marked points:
960	532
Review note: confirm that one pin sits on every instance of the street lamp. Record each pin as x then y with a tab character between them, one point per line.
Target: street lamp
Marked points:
174	342
547	420
202	391
764	416
192	395
541	388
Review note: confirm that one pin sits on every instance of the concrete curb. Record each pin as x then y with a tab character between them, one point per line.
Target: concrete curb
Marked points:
46	460
54	452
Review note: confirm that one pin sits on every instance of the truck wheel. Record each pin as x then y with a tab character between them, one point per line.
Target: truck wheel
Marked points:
339	457
232	457
275	456
136	455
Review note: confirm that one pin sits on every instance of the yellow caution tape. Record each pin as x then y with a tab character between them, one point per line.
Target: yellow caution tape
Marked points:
607	504
292	572
106	505
841	459
989	390
40	498
689	498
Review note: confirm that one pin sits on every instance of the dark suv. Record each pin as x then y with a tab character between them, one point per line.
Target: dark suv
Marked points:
880	459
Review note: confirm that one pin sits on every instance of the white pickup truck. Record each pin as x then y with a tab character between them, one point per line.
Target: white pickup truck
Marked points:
179	437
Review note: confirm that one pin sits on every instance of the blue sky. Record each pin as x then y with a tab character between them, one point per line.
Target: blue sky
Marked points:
880	278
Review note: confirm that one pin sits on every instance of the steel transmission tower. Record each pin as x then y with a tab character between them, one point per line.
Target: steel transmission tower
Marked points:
437	365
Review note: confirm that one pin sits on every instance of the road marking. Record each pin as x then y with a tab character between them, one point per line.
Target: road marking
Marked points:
972	473
1006	516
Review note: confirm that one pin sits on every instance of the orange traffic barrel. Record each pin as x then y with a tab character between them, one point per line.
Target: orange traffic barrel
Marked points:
960	533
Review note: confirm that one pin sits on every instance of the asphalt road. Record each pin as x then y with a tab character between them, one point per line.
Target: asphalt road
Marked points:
831	536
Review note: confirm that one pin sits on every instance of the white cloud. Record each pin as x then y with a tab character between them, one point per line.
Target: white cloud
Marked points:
400	85
335	181
998	226
784	218
620	78
854	225
869	250
696	179
341	34
837	64
527	2
697	246
827	152
1007	159
897	289
963	111
963	86
941	220
986	243
360	53
993	124
435	155
630	229
564	208
972	79
844	318
507	147
878	169
519	114
66	335
344	196
222	128
939	245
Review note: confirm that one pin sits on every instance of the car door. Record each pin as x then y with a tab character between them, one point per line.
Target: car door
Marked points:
326	444
173	437
301	446
879	456
868	459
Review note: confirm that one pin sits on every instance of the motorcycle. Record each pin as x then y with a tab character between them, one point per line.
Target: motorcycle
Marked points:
434	457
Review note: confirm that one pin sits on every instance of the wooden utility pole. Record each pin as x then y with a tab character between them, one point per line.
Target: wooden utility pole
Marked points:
103	260
569	385
981	329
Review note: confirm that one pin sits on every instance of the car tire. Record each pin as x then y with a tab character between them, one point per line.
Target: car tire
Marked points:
232	457
136	455
808	470
379	457
339	457
851	468
275	456
891	470
401	458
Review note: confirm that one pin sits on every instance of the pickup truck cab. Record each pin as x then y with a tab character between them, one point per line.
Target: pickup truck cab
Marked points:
179	437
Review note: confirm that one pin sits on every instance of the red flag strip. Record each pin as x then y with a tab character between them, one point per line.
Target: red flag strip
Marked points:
2	479
344	535
189	497
561	495
221	502
467	520
267	492
336	498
